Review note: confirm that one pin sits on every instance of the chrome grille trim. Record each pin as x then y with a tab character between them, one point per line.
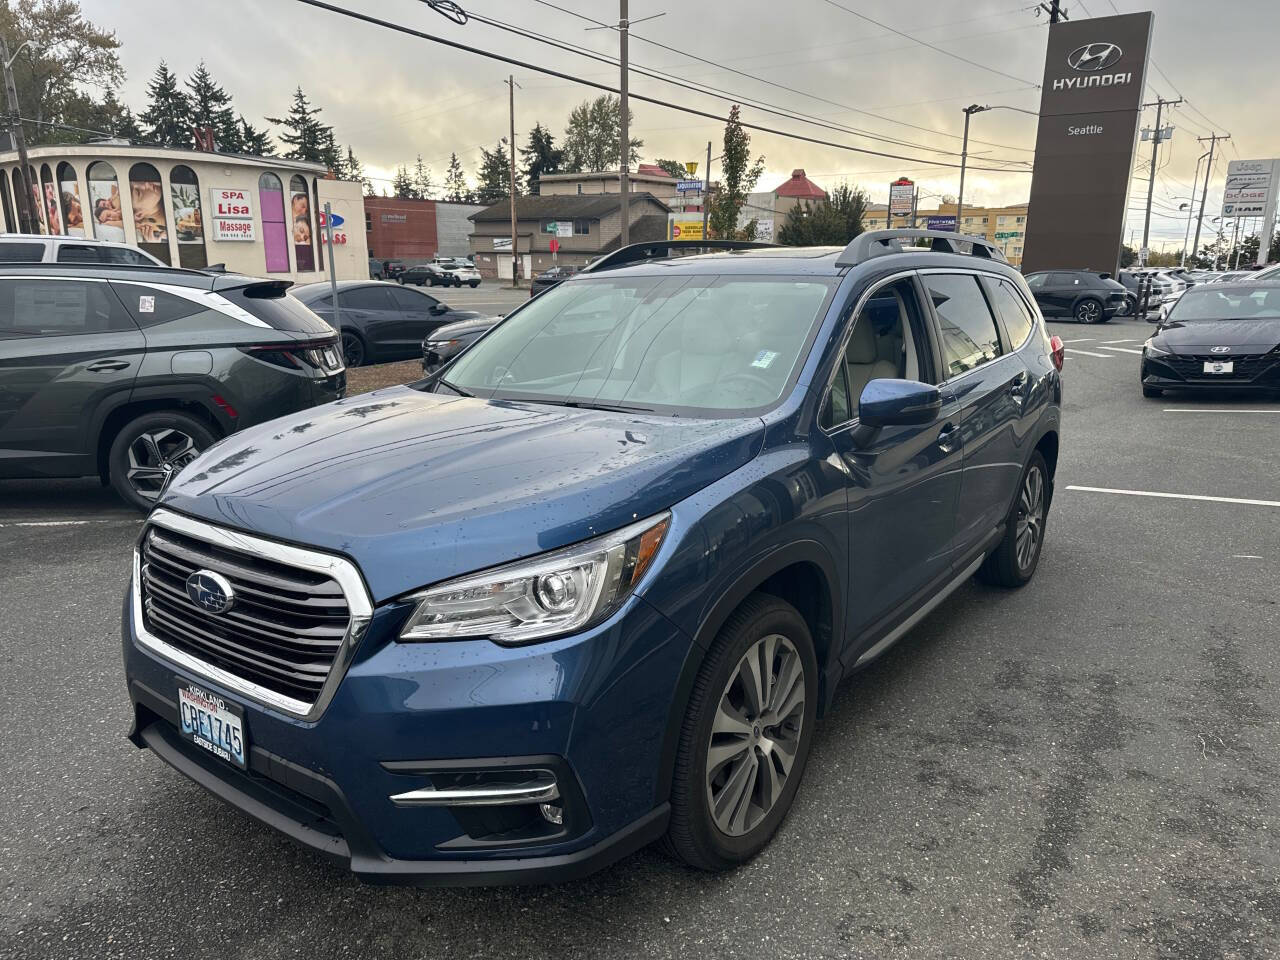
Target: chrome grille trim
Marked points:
339	569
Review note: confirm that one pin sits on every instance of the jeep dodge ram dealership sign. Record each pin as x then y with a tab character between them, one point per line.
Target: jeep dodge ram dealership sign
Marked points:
1090	102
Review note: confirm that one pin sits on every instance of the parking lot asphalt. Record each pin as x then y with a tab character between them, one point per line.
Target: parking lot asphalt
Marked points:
1088	767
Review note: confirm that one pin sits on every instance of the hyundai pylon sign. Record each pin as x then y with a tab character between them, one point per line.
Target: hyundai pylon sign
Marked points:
1090	102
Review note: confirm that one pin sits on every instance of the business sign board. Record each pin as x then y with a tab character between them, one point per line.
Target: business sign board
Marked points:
940	223
502	243
689	186
902	194
1250	185
224	229
764	230
231	214
1090	102
683	228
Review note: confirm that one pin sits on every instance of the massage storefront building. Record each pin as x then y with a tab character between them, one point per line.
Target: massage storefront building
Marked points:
258	215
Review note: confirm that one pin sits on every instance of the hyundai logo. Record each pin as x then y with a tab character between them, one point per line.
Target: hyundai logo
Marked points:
211	592
1093	57
1219	349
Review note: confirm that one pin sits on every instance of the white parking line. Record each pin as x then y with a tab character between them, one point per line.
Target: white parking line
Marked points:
1104	356
66	523
1121	349
1130	340
1210	409
1178	496
1077	340
1234	556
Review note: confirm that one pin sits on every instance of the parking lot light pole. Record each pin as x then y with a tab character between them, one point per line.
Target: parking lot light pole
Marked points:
969	111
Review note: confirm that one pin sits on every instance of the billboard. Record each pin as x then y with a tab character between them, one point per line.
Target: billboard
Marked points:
941	223
1090	101
681	227
902	194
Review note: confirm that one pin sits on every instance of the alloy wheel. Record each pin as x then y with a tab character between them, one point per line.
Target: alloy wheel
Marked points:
755	735
155	456
1030	518
352	350
1088	311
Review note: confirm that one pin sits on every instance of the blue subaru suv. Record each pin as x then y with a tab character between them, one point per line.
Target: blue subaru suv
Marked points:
592	584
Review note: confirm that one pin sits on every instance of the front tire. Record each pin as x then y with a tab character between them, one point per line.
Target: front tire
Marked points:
149	450
745	737
353	349
1088	310
1014	560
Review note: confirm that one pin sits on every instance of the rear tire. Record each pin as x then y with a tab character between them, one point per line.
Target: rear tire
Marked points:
742	749
1088	310
475	283
149	449
1014	560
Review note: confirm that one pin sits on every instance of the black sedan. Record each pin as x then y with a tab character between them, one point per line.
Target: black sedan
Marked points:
1087	296
1217	335
380	321
428	274
447	342
549	278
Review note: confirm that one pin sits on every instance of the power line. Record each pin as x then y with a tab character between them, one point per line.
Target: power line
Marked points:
783	86
926	43
409	31
718	92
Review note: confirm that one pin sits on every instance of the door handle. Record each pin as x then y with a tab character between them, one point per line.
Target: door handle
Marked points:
947	437
104	366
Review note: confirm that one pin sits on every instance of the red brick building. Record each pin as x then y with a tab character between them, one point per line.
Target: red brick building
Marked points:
417	230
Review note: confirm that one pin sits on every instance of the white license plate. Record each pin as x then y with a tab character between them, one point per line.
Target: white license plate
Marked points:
1218	366
213	724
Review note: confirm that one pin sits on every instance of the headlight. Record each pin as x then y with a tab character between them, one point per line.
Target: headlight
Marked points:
1151	350
559	592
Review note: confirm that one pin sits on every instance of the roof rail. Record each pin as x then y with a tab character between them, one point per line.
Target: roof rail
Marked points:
878	243
73	265
658	249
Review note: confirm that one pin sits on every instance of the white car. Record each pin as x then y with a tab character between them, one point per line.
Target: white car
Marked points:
40	248
464	272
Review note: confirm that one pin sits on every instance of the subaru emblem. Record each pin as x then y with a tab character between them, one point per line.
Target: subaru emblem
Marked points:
211	592
1093	57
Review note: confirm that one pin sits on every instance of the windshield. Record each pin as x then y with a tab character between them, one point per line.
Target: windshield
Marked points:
700	345
1231	303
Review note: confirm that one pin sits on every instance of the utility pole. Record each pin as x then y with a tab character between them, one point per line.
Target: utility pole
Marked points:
26	209
515	240
1191	210
706	192
1200	220
1160	104
624	187
969	111
1054	9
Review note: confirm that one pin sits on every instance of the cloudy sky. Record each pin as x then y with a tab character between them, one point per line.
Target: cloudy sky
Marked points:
393	97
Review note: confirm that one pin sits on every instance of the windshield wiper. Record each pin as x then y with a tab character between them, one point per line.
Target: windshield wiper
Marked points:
458	390
593	405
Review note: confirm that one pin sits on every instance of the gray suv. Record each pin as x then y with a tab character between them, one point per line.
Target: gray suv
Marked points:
128	372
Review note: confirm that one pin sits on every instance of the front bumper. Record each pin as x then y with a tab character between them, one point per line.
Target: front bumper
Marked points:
404	712
1186	371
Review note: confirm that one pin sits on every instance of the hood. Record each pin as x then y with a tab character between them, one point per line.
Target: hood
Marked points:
417	488
476	324
1243	336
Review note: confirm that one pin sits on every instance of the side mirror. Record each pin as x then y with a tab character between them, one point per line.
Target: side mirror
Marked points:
439	308
895	403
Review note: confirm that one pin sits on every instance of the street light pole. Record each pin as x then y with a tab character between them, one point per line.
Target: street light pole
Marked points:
515	240
1213	139
27	203
1191	211
969	111
706	191
624	156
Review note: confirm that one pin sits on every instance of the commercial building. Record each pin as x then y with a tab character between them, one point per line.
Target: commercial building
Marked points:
190	208
417	230
1006	227
580	227
769	209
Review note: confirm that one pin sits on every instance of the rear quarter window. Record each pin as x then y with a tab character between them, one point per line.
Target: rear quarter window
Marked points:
21	252
150	307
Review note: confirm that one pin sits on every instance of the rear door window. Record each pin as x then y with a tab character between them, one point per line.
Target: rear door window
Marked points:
967	328
59	308
364	298
412	301
21	252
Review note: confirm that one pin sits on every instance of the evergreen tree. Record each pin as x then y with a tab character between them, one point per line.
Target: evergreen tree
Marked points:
353	169
494	175
307	138
402	184
211	107
738	178
251	140
539	157
833	221
168	113
591	140
422	181
455	184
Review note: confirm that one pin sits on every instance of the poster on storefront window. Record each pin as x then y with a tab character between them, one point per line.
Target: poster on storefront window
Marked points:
188	222
300	210
148	211
51	213
74	210
104	202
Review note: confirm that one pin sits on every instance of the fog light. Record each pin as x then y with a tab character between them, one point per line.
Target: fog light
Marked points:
552	813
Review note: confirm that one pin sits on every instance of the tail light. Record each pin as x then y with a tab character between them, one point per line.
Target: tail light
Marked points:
1057	351
304	355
